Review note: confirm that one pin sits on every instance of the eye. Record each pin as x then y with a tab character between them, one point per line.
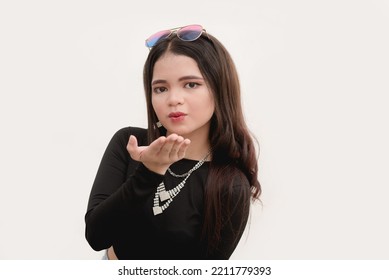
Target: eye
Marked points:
159	89
192	85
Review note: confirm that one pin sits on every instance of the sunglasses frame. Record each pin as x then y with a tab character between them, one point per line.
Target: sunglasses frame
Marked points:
176	31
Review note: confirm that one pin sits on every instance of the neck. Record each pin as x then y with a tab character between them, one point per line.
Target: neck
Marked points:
199	146
198	150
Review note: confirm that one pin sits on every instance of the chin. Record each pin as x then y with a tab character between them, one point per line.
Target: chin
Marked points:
178	132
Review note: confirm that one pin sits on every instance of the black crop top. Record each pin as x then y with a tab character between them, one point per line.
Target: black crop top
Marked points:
120	206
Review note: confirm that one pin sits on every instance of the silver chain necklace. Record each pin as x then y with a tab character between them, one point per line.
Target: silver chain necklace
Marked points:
162	195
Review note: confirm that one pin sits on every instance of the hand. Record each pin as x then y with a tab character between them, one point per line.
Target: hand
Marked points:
161	153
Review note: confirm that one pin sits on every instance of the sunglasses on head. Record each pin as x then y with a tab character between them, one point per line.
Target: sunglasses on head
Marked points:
186	33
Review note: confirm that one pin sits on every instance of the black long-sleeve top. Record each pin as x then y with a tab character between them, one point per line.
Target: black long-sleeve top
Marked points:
120	212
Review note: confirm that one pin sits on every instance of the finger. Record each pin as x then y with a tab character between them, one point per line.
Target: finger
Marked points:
183	147
156	146
176	146
169	144
134	150
132	145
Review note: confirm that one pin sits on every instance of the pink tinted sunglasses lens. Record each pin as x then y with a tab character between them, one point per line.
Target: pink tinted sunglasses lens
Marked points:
190	32
186	33
153	39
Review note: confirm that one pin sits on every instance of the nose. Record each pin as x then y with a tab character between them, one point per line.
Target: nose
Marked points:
175	97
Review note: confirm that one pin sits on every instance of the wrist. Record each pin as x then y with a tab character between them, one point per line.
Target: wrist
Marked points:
159	169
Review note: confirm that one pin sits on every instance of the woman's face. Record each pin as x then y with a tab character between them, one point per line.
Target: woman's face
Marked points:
180	96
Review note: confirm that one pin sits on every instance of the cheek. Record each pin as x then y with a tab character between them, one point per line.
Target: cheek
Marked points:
209	103
204	101
205	108
212	105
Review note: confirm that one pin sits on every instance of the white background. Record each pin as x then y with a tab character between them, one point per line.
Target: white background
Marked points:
314	76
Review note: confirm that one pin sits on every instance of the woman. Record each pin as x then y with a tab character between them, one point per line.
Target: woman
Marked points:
180	189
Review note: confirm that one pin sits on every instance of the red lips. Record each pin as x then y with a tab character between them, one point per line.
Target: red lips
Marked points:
176	114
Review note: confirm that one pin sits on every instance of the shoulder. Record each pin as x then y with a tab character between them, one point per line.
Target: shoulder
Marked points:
124	133
118	143
235	183
238	188
240	184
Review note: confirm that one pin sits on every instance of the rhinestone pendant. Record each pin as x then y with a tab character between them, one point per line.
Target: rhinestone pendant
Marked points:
164	195
157	210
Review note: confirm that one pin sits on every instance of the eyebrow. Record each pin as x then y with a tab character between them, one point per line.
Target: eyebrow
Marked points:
191	77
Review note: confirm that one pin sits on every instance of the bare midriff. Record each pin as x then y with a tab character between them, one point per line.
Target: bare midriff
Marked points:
111	254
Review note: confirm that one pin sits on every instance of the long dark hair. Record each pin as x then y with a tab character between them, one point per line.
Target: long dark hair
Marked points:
233	150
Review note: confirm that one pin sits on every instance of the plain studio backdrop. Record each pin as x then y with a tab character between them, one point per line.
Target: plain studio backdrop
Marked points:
315	87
